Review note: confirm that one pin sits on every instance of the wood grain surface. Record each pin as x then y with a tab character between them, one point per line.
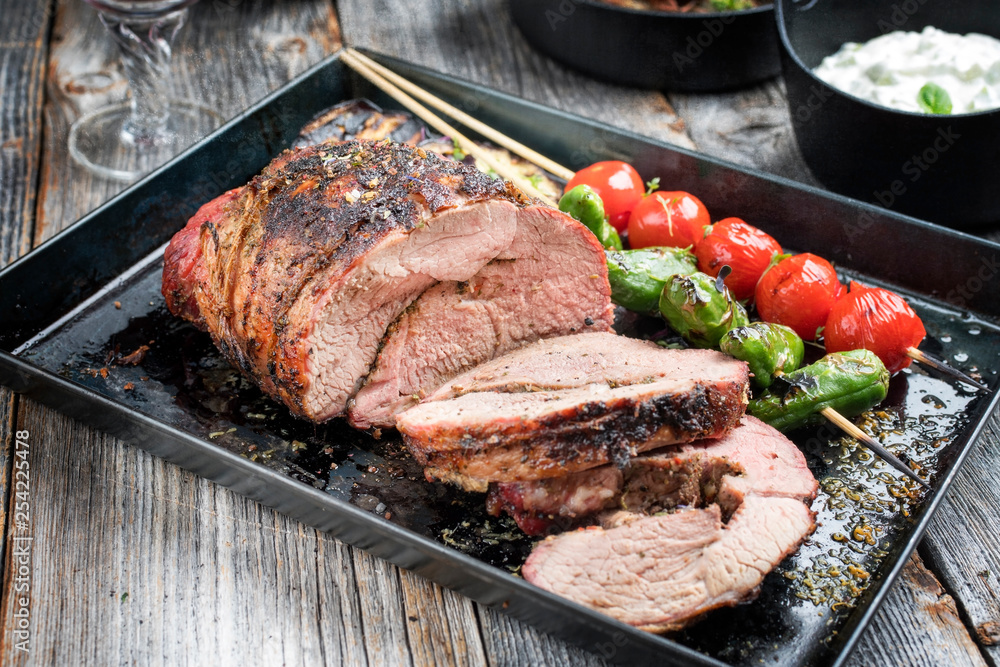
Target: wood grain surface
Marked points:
23	54
139	562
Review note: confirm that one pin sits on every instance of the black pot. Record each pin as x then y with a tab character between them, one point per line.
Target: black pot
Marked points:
665	50
945	169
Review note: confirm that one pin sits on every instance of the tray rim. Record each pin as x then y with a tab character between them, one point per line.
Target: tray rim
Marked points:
33	381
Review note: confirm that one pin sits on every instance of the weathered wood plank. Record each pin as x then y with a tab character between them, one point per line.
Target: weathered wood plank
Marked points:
382	610
961	542
918	598
8	430
437	617
140	562
749	127
23	53
511	642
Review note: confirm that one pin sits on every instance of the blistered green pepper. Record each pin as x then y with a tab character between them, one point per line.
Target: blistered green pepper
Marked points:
637	277
769	349
584	204
849	382
700	308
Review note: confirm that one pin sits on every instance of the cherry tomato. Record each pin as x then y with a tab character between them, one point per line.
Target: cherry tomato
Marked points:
877	320
799	292
674	219
617	183
746	249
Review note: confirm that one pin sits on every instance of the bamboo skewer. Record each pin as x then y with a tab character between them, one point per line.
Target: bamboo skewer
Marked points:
924	358
392	84
474	124
441	126
849	427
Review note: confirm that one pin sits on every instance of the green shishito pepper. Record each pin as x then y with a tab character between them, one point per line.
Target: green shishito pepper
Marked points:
696	308
637	277
769	349
849	382
584	204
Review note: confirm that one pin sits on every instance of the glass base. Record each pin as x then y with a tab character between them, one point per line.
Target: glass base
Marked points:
102	142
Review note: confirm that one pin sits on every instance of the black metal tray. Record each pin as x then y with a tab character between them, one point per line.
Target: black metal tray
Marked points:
76	307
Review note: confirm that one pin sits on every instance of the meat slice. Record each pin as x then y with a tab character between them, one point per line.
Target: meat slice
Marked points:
752	458
571	403
298	277
661	572
699	526
550	282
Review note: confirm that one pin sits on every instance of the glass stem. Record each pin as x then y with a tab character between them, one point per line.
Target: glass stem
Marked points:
145	45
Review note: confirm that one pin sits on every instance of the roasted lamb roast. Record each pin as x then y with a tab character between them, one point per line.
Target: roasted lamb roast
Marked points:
299	275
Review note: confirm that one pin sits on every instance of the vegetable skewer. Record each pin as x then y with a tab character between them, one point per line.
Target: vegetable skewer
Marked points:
880	320
366	68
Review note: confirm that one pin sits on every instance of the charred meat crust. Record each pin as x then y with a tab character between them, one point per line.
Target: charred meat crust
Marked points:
648	485
752	458
360	119
299	226
592	434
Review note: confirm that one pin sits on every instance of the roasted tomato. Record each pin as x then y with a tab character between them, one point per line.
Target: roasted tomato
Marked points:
799	292
877	320
744	248
673	219
617	183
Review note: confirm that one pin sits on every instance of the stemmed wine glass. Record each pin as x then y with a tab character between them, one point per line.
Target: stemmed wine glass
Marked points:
126	140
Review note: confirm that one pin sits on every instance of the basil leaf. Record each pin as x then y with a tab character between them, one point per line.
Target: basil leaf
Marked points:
731	5
932	98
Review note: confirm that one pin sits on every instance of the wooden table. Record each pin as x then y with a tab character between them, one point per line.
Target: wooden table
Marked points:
137	561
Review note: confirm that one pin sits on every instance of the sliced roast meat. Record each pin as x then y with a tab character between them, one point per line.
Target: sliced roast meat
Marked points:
697	527
752	458
551	281
591	358
567	404
661	572
299	276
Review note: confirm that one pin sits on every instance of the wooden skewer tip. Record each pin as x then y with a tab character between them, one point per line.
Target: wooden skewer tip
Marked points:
851	429
924	358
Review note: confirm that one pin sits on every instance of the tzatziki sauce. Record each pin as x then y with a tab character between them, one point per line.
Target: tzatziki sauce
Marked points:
892	69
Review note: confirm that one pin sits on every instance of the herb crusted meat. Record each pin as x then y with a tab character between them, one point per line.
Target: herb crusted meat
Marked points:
298	275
